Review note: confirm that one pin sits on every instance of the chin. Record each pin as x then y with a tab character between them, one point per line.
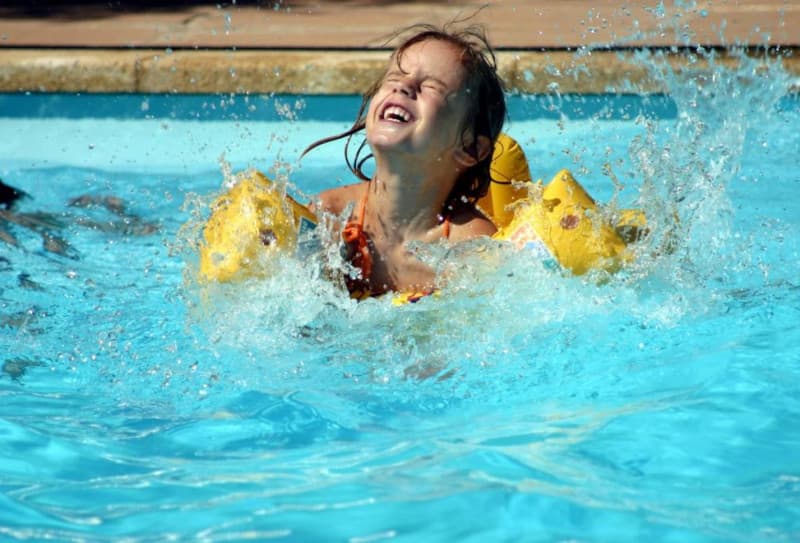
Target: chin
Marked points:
384	141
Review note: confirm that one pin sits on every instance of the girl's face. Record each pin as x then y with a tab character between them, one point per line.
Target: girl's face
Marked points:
420	105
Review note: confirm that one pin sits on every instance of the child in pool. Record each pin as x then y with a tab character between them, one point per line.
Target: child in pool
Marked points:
431	123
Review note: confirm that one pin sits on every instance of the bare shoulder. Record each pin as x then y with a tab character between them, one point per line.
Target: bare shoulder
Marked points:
469	224
335	200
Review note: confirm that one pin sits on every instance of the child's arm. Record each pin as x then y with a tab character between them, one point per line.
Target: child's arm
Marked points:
469	225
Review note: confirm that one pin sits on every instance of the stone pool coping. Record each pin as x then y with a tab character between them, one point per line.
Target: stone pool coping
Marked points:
336	72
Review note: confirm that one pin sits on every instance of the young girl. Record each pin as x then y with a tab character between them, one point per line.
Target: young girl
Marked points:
431	123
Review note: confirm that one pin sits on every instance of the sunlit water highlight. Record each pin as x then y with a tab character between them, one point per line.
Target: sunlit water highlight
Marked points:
522	404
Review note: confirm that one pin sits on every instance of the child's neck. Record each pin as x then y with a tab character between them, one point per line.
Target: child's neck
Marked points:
406	204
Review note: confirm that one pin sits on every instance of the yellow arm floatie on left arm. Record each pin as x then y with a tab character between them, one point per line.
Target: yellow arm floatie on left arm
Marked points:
566	220
510	174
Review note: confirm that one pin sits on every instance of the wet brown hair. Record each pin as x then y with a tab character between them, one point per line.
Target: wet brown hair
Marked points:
485	114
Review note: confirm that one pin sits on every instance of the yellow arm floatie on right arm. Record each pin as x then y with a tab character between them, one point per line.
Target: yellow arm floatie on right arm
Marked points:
248	224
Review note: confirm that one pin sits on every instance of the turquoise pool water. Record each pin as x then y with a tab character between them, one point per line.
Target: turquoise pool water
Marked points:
659	405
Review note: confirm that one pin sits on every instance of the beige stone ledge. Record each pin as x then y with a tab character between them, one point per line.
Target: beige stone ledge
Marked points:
309	72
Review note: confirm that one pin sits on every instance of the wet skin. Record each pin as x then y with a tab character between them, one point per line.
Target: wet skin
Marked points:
414	128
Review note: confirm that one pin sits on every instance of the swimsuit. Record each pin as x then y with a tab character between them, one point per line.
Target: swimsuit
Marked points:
357	243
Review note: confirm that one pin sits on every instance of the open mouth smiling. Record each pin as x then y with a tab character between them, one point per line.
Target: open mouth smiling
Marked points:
396	114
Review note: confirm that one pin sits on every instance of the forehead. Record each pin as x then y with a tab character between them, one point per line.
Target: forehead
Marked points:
432	57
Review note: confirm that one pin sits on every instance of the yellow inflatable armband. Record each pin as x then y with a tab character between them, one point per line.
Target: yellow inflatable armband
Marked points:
247	224
564	220
560	220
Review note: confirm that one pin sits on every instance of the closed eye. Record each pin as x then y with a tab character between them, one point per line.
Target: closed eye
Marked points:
434	88
393	77
434	85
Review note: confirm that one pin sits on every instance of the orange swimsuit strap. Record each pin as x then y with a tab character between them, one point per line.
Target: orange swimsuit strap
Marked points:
353	235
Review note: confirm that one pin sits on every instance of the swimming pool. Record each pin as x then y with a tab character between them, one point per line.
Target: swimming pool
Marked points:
661	405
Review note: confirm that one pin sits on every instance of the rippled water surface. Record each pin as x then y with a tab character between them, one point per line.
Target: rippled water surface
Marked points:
521	405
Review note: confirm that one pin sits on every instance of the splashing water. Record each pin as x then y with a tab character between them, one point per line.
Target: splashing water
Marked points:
690	169
287	324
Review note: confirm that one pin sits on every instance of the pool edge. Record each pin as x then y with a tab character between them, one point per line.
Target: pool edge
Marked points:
337	72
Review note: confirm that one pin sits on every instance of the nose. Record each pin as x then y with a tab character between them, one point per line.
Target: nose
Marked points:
405	86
